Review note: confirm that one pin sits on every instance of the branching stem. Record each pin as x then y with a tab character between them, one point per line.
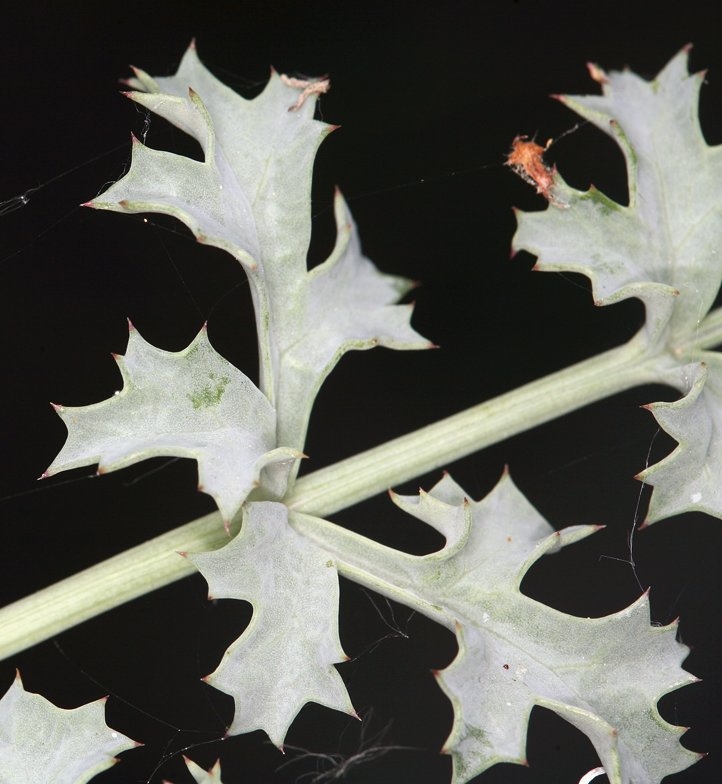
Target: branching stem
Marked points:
156	563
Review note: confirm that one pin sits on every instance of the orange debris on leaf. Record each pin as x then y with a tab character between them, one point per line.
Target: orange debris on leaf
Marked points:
526	159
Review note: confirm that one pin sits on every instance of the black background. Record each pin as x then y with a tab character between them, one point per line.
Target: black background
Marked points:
429	99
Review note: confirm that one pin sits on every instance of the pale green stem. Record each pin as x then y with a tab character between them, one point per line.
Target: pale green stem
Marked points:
156	563
708	335
262	309
106	585
364	475
366	562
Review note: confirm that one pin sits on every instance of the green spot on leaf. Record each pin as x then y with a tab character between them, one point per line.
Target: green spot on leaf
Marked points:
209	395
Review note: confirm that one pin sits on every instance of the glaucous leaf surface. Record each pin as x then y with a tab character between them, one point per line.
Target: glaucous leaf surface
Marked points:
663	247
251	196
285	657
603	675
43	744
191	403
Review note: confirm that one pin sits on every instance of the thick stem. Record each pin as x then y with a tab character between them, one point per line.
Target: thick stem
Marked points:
106	585
156	563
364	475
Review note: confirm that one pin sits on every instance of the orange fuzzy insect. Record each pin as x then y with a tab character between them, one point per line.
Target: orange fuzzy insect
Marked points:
526	159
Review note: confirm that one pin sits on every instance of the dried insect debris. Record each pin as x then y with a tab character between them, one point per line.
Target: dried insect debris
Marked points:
526	158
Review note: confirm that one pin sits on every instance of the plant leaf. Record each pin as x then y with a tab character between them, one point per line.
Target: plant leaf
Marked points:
251	196
285	657
662	247
603	675
345	303
43	744
191	403
688	479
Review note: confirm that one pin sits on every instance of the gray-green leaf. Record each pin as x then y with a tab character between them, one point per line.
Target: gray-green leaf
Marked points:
43	744
285	657
191	403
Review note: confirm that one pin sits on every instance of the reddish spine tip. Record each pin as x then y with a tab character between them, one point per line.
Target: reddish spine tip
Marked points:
182	553
88	204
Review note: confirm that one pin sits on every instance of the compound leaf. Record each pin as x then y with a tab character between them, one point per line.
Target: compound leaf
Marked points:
604	675
251	196
662	248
